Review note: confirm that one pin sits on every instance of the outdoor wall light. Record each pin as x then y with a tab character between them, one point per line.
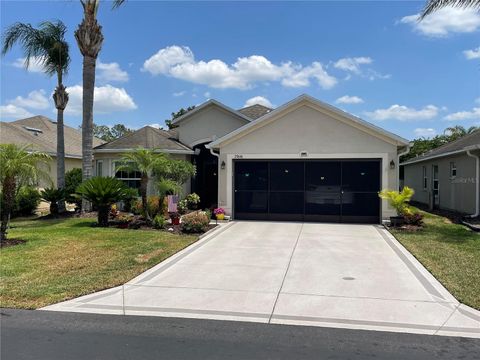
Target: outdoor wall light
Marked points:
222	165
392	164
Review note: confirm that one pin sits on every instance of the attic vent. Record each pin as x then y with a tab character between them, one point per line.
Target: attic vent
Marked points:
33	130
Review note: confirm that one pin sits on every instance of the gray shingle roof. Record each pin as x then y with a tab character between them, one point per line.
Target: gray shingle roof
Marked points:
458	145
45	140
148	138
255	111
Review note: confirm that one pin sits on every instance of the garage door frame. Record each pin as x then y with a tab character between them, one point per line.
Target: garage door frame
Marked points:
304	216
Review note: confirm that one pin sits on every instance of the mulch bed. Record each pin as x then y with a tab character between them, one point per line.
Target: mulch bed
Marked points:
12	242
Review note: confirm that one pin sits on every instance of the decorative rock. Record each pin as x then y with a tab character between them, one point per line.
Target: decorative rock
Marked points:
170	229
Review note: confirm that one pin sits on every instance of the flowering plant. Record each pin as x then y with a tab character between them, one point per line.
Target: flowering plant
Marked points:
219	211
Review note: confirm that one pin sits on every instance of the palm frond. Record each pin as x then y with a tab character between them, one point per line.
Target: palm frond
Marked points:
435	5
117	3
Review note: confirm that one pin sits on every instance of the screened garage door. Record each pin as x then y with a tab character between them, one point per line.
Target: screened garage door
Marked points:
314	190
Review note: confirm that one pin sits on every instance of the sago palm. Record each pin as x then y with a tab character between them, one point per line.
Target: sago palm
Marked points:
89	39
103	192
434	5
18	166
46	45
55	197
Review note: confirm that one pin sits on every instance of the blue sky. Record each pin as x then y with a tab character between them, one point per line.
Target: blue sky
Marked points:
371	59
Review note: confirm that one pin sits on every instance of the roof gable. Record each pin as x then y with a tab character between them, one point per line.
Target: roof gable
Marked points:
207	104
319	106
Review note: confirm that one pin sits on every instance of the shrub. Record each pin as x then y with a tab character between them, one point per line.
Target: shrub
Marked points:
73	179
113	211
398	199
412	218
159	222
195	222
209	213
102	192
182	206
53	196
192	201
130	198
26	201
153	206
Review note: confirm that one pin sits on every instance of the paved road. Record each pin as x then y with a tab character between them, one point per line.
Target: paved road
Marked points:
56	335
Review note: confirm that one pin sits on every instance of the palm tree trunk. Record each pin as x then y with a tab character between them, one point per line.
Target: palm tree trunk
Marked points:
8	198
60	97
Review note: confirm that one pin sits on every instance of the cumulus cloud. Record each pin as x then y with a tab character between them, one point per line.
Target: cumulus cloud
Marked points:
346	99
445	21
474	114
107	99
34	66
404	113
258	100
472	53
352	64
35	100
13	112
111	72
178	94
424	132
179	62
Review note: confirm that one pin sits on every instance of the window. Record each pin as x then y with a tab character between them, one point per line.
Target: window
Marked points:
425	179
99	168
453	170
130	178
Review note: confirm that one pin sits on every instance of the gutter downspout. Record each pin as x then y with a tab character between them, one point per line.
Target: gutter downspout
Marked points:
407	150
477	183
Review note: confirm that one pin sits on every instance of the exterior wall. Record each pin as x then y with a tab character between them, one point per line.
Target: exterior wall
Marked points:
52	171
207	125
457	194
306	129
109	159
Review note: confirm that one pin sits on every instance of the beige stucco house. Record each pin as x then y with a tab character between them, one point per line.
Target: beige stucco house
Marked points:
305	160
40	133
447	177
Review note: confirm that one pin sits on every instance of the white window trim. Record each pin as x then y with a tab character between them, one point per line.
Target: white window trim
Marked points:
96	167
424	178
115	173
453	166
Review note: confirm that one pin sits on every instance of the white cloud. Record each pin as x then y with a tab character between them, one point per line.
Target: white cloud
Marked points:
156	126
12	112
352	64
445	21
472	53
111	72
424	132
404	113
34	66
258	100
35	100
464	115
207	94
107	99
180	93
179	62
349	100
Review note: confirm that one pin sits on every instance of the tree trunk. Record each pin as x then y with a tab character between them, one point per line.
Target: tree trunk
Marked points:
60	97
8	198
143	194
103	215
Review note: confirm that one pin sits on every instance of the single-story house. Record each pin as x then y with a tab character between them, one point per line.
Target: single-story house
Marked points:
305	160
448	176
40	133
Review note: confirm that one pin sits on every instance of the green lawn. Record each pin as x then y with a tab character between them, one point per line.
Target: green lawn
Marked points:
63	259
451	253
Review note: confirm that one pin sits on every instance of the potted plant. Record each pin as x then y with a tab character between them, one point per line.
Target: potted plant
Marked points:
219	213
399	201
175	217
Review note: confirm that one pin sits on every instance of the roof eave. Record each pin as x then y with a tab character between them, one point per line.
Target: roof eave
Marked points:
449	153
168	151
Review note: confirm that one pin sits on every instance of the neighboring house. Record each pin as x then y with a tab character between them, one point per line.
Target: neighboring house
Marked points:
40	133
448	176
305	160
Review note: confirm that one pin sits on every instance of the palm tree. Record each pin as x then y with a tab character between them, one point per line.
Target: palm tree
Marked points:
144	161
47	44
18	165
89	39
434	5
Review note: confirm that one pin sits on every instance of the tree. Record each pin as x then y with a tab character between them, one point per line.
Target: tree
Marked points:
177	114
54	197
103	192
47	44
108	134
144	161
458	131
89	39
18	166
434	5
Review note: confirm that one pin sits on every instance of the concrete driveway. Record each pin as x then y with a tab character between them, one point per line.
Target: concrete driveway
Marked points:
336	275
